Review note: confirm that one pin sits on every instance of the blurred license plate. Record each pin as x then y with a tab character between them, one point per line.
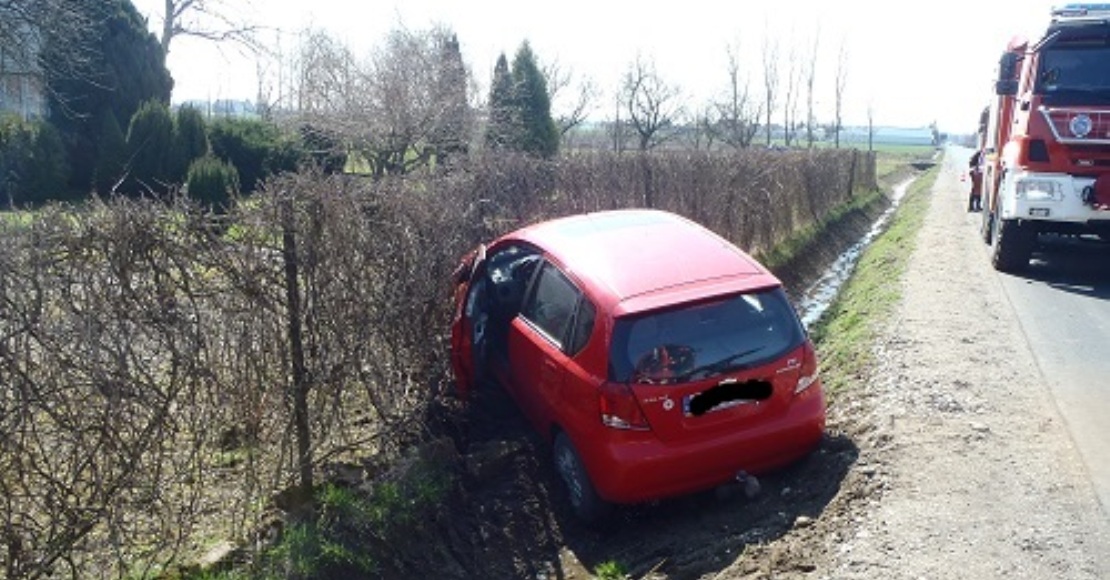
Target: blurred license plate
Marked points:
726	395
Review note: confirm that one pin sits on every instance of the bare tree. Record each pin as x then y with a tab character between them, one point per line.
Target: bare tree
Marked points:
327	77
701	130
215	20
770	78
791	95
870	126
572	98
651	103
618	126
403	106
737	113
409	106
811	77
841	84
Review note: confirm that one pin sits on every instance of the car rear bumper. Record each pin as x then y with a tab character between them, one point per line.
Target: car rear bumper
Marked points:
645	469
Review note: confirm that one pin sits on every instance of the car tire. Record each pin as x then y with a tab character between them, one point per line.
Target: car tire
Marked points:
585	502
1013	245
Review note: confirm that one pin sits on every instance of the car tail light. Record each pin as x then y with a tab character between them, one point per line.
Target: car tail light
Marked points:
808	374
619	408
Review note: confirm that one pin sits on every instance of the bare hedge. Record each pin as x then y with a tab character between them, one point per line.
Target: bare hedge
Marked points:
152	356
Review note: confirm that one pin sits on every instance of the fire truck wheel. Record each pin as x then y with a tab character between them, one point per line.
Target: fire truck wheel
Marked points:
1013	245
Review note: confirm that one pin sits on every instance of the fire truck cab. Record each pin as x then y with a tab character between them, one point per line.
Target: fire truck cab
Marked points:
1047	162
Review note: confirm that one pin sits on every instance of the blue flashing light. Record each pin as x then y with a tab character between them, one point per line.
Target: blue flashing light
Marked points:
1080	10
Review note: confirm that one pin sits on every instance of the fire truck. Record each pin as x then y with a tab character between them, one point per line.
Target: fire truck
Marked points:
1047	143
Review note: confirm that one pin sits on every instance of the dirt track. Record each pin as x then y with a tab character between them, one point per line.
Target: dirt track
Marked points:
979	476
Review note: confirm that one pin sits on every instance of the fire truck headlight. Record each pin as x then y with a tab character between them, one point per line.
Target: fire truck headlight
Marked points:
1037	190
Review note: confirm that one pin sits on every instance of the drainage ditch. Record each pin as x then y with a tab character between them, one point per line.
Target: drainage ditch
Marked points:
819	295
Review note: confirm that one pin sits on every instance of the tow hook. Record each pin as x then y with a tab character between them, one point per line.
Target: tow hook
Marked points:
750	484
741	483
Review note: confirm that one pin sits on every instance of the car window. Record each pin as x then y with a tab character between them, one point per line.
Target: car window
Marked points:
697	341
551	304
582	328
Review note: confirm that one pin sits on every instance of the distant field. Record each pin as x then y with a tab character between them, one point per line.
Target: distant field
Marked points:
908	150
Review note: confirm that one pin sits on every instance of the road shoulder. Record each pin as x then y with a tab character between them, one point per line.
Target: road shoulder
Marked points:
974	473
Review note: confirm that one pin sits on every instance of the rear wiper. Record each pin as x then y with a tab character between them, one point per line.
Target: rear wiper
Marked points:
719	366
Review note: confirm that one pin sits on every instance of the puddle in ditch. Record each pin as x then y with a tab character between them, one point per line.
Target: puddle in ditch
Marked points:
817	298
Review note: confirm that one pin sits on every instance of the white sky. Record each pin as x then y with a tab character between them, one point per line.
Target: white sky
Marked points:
911	63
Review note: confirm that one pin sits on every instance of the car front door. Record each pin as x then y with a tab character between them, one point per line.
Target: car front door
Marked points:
469	325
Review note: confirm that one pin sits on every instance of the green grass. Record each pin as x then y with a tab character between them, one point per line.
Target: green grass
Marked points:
17	218
332	542
894	163
891	166
786	251
217	575
610	570
845	334
915	151
309	550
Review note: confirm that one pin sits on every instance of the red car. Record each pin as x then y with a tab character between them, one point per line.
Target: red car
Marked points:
656	357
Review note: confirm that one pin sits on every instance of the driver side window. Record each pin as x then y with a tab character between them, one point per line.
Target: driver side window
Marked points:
550	307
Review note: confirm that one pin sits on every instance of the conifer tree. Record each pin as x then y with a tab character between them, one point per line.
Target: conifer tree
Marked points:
190	141
150	148
449	137
538	133
501	133
126	68
111	154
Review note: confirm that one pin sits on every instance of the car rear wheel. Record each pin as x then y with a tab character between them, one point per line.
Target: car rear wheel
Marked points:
589	508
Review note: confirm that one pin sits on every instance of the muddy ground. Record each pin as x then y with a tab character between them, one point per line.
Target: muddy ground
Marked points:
951	462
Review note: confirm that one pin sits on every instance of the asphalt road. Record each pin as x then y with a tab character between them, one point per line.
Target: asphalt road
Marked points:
1063	304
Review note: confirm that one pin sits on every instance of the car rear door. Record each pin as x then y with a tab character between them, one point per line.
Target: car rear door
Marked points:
539	343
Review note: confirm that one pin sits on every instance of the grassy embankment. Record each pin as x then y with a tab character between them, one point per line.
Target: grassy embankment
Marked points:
845	334
891	167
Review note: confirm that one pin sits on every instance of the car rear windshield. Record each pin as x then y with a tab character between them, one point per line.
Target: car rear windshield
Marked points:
702	340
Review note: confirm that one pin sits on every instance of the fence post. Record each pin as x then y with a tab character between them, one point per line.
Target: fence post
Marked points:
852	175
300	386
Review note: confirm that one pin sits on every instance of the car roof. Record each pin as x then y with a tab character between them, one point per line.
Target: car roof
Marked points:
638	260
